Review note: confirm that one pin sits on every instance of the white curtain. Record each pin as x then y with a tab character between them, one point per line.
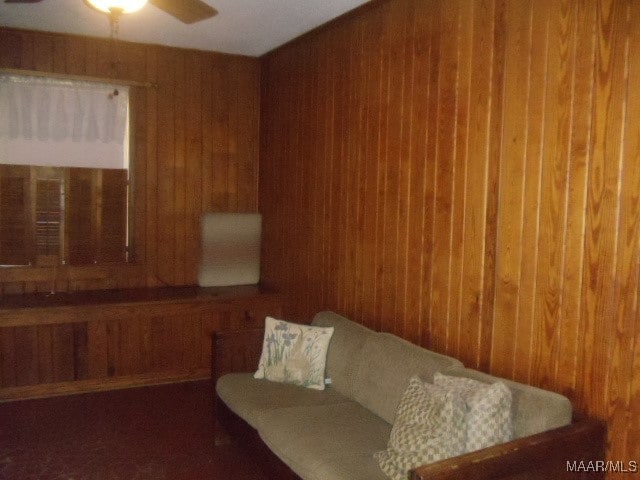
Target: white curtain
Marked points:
63	123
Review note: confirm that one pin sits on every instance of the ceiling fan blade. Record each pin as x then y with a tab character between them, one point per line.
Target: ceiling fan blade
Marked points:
187	11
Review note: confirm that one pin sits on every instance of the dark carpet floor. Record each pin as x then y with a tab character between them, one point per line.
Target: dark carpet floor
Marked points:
152	433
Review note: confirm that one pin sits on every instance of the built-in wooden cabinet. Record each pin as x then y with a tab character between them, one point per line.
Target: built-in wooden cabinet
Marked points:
68	343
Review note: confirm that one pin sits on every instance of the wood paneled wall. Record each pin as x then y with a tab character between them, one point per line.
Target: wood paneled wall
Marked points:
466	174
195	149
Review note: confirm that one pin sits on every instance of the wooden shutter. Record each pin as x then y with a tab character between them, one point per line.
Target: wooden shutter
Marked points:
113	216
48	220
38	204
81	231
16	244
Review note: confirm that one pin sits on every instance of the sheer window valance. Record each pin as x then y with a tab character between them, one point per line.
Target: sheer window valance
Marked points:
51	122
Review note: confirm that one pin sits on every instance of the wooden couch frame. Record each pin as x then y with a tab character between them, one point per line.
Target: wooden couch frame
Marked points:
544	456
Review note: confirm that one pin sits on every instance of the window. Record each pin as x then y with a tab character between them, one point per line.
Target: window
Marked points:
64	172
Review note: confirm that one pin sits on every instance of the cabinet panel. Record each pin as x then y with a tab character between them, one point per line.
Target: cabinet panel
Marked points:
79	346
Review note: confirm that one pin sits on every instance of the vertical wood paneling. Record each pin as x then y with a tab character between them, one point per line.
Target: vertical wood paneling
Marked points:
147	191
179	163
45	354
463	90
63	354
191	341
472	320
512	181
129	339
603	201
406	172
536	95
166	249
80	351
370	171
97	356
444	161
113	345
195	142
8	355
571	307
193	170
26	357
494	161
472	186
557	121
392	159
624	398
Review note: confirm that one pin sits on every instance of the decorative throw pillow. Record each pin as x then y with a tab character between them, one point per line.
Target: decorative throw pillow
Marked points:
488	416
293	353
428	427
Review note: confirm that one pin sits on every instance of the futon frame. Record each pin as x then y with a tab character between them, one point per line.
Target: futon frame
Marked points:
573	452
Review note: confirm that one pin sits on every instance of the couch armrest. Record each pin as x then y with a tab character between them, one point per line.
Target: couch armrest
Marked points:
235	351
545	455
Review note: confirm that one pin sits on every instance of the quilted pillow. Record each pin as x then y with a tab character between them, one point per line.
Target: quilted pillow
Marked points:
488	410
428	427
293	353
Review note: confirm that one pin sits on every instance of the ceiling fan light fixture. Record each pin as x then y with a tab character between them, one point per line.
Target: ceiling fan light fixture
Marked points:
120	6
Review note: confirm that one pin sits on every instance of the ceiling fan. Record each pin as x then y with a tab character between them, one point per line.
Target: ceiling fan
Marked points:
187	11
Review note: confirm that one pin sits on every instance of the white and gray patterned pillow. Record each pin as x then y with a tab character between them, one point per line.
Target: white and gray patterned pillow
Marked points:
429	426
293	353
488	416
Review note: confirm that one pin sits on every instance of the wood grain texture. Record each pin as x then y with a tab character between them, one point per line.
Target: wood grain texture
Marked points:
536	457
93	343
194	143
465	174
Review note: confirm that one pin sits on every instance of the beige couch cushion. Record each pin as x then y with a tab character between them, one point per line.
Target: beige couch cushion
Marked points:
344	348
533	410
250	398
385	364
327	442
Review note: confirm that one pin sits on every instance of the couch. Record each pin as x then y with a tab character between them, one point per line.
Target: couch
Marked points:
332	434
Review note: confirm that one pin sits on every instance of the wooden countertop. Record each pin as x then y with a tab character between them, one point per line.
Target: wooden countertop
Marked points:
137	296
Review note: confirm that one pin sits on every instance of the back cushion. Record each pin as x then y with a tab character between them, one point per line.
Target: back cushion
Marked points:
344	348
533	410
386	364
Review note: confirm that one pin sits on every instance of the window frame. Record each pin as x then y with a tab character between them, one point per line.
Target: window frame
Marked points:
63	174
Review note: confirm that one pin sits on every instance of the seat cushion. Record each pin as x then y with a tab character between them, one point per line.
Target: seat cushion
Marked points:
327	442
386	363
344	349
250	398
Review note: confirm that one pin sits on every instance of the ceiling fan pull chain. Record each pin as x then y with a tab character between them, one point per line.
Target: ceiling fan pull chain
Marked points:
114	22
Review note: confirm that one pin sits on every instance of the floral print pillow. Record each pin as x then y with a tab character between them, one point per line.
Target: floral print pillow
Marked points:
293	353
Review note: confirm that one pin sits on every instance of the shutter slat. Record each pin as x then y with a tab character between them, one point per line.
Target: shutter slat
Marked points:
48	221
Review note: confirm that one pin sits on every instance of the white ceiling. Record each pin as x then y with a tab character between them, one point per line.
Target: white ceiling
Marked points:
246	27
